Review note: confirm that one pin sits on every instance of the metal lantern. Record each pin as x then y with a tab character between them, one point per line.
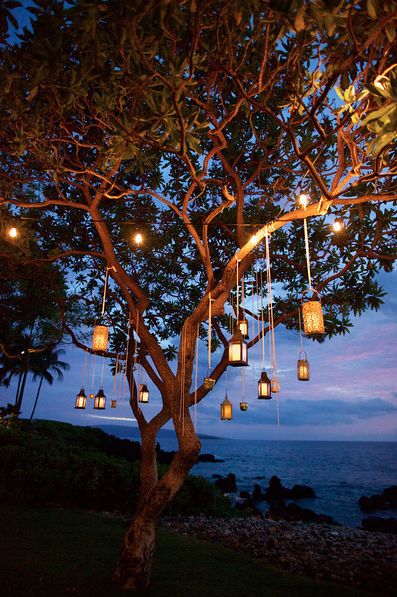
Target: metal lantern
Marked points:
313	321
100	338
242	324
143	393
264	387
238	353
100	400
275	385
303	367
226	410
81	400
209	383
243	406
113	404
92	395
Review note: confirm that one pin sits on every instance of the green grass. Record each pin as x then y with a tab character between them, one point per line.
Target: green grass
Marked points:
61	552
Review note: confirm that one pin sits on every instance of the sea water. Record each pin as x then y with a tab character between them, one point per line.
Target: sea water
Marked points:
339	472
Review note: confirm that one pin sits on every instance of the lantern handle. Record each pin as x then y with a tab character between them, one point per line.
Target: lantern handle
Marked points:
302	352
312	290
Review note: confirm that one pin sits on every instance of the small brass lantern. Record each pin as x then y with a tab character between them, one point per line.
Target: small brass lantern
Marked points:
113	404
143	393
242	324
100	338
81	400
313	321
264	387
92	395
209	383
226	410
275	385
100	400
303	367
238	352
243	406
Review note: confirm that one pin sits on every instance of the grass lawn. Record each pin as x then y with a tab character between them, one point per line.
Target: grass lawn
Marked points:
61	552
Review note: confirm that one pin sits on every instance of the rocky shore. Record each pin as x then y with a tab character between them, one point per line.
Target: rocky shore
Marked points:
351	557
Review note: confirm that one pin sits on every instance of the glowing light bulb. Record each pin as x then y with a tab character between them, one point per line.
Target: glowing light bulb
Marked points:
337	226
13	232
303	199
254	238
138	238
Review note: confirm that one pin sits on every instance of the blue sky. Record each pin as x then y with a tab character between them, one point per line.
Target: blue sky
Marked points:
352	394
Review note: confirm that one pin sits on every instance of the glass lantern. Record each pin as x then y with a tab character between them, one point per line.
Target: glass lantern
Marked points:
100	338
81	400
100	400
238	352
303	367
242	324
143	393
264	387
313	321
113	404
243	406
226	410
209	383
275	385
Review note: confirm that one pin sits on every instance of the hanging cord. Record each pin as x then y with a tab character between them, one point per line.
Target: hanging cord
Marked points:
115	375
84	367
93	375
271	323
105	288
182	384
243	381
300	331
209	330
196	379
262	322
309	277
135	356
102	373
237	289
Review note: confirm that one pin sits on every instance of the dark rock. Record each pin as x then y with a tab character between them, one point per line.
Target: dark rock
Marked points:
384	501
299	492
245	495
227	484
257	494
216	476
294	513
247	505
209	458
275	491
382	525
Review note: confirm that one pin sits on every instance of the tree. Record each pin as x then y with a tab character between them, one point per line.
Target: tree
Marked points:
47	363
197	123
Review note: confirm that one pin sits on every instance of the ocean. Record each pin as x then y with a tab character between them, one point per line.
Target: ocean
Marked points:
339	472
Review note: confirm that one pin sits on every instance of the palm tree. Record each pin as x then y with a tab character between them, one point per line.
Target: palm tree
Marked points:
42	364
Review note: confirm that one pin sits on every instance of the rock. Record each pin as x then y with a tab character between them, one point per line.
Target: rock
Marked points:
257	494
245	495
382	525
384	501
299	492
209	458
216	476
275	491
293	512
227	484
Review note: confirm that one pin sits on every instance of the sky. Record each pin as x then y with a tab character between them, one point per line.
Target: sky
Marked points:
352	393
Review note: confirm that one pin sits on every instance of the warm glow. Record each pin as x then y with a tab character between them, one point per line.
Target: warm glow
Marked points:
243	406
243	326
238	354
303	368
81	399
138	238
337	226
100	338
113	404
143	393
303	200
226	410
254	238
100	400
275	385
313	321
13	232
264	387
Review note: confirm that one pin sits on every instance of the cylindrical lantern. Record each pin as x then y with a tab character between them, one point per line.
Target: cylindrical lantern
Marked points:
238	353
303	367
81	399
264	387
243	406
313	321
242	324
100	338
143	393
100	400
113	404
226	410
275	385
209	383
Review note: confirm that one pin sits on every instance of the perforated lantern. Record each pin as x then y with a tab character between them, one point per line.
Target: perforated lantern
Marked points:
264	387
242	324
226	410
238	353
143	393
113	404
313	321
100	400
243	406
275	385
81	400
303	367
209	383
100	338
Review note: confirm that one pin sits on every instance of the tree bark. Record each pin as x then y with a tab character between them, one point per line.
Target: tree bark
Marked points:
37	398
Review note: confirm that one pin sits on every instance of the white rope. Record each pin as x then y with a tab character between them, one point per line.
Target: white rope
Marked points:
209	330
309	277
271	323
237	290
196	378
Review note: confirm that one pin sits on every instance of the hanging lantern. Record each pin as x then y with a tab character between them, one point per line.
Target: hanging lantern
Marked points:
243	406
313	321
238	353
100	400
81	399
100	338
113	404
264	387
92	395
209	383
226	410
275	385
143	393
242	324
303	367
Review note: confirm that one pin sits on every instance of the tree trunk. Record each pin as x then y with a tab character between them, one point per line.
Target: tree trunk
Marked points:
37	398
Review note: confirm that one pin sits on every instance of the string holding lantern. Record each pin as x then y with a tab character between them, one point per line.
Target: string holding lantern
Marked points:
243	403
209	382
302	366
274	382
100	337
238	349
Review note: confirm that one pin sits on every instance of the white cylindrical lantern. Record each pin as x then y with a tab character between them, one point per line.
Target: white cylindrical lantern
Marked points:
313	321
238	352
243	406
143	393
275	385
264	387
100	400
303	367
242	324
81	400
100	338
226	410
